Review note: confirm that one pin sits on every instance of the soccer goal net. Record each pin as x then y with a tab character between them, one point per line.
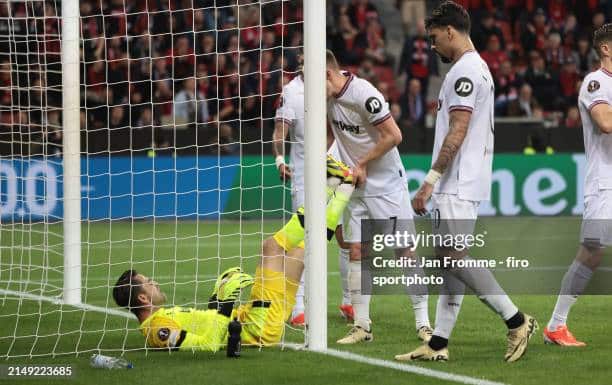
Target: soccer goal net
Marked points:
150	150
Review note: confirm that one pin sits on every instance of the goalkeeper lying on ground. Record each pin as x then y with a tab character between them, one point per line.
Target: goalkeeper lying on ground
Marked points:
272	295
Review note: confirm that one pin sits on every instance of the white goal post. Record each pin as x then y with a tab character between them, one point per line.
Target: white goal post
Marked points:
315	143
72	151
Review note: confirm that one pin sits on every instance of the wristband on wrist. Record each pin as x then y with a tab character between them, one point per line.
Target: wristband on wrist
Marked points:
432	177
279	161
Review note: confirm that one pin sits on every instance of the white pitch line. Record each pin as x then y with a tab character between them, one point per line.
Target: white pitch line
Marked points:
439	374
330	352
58	301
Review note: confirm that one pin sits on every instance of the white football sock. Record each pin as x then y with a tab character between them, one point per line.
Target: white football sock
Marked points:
574	282
361	302
421	311
449	304
299	299
484	284
419	297
343	262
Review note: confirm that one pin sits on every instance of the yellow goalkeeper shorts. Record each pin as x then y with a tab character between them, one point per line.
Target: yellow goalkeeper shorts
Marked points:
272	299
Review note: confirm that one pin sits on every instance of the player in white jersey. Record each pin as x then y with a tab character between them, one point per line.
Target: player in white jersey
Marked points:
595	104
367	137
460	178
289	120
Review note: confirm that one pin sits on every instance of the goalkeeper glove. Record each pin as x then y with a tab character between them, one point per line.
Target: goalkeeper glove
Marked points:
230	287
224	276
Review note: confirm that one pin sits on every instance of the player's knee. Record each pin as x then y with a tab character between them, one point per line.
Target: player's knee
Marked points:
354	251
340	238
590	254
271	248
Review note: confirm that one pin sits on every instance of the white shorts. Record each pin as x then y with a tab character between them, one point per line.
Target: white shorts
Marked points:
596	226
297	198
453	215
395	205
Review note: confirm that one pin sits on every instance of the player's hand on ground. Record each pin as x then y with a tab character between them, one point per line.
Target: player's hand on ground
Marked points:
284	172
359	175
419	202
231	288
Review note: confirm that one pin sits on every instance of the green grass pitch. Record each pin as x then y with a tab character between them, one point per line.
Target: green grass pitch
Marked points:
185	257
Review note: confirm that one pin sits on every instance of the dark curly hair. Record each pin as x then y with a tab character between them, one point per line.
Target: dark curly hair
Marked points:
126	290
601	36
449	13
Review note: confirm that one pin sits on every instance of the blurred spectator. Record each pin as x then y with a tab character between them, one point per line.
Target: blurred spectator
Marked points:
545	82
573	118
557	9
142	131
533	34
569	79
484	30
598	19
494	56
52	135
224	141
587	57
555	53
359	11
414	110
371	42
190	105
525	104
417	60
506	86
396	111
366	71
343	41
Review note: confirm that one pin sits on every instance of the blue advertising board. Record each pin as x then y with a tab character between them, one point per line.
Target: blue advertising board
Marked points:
119	187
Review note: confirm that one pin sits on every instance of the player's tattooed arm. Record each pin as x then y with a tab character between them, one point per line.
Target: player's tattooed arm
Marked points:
602	115
281	130
459	121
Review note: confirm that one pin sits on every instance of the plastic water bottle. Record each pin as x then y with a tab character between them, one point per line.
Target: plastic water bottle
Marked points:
106	362
233	339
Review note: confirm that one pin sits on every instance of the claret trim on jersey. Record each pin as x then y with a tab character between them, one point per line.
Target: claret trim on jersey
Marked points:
345	87
596	102
605	71
283	120
379	121
460	108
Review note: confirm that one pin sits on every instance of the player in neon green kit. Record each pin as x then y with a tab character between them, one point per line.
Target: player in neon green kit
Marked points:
272	295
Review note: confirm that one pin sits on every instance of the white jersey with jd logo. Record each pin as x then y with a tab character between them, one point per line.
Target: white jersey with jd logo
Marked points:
468	86
353	115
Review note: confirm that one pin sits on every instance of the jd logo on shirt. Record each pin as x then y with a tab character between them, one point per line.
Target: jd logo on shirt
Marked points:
464	87
373	105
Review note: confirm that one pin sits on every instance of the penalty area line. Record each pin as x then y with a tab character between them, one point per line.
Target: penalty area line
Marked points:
439	374
58	301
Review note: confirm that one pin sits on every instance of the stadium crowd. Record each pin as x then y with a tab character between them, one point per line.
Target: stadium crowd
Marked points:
208	73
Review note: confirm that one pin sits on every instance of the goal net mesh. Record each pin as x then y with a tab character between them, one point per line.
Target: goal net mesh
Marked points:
178	99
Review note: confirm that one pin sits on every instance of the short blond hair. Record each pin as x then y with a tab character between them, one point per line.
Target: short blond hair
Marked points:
331	60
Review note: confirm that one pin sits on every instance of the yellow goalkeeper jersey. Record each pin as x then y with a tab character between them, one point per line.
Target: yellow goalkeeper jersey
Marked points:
262	318
186	329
